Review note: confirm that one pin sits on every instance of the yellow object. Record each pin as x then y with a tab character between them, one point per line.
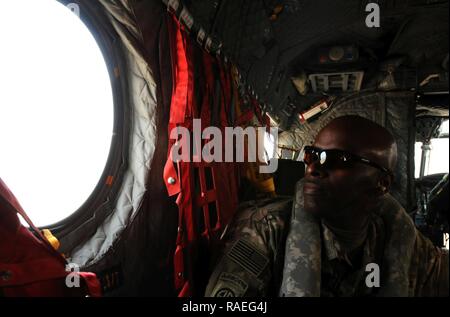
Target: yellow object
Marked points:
266	186
51	239
264	183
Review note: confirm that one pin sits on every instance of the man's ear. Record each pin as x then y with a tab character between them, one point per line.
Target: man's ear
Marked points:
384	184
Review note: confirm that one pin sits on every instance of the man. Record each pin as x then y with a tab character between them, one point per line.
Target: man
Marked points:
345	235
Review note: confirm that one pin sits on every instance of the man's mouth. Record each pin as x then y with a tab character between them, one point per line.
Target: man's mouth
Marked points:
311	188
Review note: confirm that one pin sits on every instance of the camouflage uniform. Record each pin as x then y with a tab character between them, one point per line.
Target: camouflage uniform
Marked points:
273	249
343	275
254	251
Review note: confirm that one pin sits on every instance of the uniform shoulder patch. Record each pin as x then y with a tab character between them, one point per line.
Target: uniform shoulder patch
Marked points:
230	285
248	257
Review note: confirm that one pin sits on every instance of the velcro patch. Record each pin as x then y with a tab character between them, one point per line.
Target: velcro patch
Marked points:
248	257
230	285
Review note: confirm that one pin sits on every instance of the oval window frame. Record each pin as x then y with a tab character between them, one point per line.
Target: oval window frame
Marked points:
94	209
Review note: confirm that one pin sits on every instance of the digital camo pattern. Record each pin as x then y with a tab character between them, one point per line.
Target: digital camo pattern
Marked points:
343	275
302	265
252	258
274	249
410	265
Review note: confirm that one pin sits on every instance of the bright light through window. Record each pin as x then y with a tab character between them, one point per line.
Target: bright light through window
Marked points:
56	109
269	146
439	154
444	128
417	158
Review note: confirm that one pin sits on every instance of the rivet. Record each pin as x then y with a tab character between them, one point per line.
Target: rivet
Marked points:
171	180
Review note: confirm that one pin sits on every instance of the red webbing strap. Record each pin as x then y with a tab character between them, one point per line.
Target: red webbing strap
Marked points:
178	105
180	115
186	230
186	290
92	283
205	197
191	111
188	234
170	173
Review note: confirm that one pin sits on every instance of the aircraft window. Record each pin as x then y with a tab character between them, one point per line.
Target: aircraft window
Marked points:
438	160
269	146
444	129
56	108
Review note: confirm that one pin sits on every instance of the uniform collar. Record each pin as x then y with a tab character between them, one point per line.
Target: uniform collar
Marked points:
333	249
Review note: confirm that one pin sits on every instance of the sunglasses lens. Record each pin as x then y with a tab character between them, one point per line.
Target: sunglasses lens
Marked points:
307	158
327	159
313	155
310	156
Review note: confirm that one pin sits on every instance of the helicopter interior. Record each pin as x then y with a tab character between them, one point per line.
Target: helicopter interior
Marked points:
289	64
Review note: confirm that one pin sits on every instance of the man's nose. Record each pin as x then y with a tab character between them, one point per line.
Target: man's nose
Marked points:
315	170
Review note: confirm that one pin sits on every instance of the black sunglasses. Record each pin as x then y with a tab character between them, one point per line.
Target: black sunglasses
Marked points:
336	158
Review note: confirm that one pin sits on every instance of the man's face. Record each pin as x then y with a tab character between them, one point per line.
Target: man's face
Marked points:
329	192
